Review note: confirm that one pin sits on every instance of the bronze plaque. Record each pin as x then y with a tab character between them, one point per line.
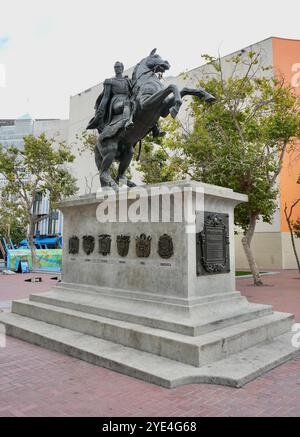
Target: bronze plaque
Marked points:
213	245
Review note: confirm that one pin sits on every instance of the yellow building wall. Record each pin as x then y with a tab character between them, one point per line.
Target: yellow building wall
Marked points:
286	61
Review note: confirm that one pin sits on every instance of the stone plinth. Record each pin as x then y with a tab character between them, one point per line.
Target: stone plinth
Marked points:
174	277
149	290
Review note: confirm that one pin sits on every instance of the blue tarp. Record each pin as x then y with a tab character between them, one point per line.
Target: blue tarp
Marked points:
49	241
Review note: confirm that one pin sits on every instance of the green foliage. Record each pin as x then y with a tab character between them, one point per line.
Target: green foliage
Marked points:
155	162
37	167
87	142
12	222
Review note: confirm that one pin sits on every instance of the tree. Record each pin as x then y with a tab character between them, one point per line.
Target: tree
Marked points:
241	140
39	167
12	222
294	226
155	164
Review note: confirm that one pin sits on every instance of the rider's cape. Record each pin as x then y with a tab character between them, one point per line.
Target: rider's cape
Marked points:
94	122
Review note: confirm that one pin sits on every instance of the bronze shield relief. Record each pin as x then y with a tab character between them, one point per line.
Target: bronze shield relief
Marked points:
143	246
74	245
88	244
123	243
165	247
104	244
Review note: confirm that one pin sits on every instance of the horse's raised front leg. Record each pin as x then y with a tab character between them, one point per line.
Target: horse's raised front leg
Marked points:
154	101
177	101
198	92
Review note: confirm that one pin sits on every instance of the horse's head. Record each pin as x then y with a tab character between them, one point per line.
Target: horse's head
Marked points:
155	63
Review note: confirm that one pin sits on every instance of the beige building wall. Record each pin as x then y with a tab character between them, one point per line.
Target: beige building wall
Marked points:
267	249
272	251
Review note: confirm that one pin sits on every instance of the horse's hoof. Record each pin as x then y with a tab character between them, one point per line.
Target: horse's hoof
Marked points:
130	184
107	181
210	99
122	182
126	182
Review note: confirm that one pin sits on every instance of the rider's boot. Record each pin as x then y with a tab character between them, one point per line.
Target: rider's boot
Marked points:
129	123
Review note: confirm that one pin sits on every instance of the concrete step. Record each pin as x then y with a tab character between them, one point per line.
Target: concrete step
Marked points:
203	319
234	371
196	351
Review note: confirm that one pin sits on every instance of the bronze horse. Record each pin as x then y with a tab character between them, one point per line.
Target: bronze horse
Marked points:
152	100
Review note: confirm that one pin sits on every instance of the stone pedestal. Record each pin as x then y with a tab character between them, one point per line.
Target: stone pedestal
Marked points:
163	277
148	289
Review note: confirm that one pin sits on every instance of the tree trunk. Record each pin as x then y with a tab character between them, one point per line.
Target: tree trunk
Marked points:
295	249
32	245
246	241
288	219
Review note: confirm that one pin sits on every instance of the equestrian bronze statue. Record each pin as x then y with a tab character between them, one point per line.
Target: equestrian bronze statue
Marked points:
128	109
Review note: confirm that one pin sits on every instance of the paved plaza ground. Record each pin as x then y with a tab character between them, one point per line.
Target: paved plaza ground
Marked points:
38	382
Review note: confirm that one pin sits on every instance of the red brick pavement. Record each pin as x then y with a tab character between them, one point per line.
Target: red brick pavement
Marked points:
282	291
38	382
15	287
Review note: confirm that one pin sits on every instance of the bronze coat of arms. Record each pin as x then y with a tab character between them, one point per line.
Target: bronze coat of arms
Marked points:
165	247
143	246
88	244
74	245
104	244
123	242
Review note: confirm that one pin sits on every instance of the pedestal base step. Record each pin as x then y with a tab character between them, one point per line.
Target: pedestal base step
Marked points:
225	311
196	351
234	371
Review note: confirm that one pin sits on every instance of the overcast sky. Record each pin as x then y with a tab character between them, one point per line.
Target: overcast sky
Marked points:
51	49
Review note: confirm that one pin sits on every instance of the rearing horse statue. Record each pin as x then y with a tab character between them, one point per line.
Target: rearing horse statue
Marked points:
151	100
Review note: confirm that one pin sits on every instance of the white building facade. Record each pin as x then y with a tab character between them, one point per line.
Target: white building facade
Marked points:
12	133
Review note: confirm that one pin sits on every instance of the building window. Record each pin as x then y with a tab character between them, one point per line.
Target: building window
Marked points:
53	222
37	204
